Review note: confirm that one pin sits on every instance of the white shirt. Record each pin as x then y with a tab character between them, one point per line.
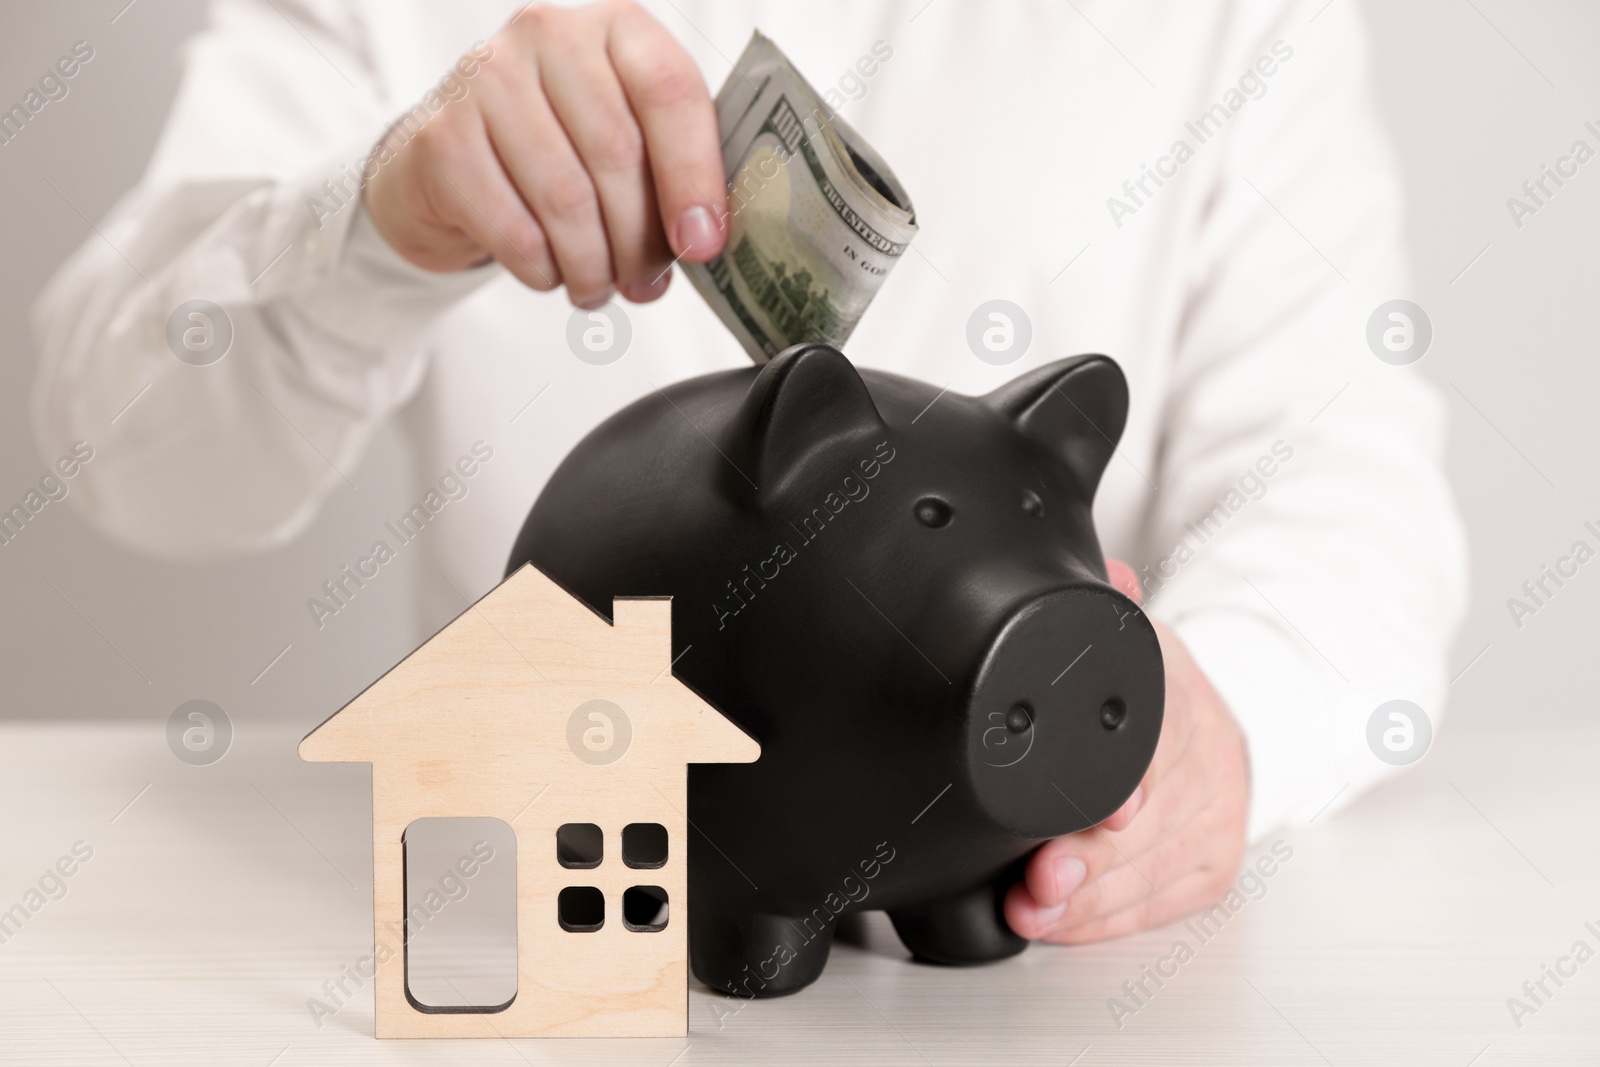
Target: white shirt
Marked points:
1233	288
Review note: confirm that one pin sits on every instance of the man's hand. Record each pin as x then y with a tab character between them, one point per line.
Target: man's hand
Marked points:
1173	848
585	153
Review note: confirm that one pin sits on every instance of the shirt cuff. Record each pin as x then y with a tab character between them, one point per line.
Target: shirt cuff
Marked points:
1303	736
370	297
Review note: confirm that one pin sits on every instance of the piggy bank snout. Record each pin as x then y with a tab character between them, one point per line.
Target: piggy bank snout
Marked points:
1066	712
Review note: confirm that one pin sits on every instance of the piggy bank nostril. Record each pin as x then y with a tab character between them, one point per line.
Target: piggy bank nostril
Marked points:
932	512
1113	713
1018	720
1031	504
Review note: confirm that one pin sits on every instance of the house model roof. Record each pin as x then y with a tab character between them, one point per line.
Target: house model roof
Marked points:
506	681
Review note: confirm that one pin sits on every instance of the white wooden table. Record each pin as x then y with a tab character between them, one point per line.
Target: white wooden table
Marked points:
219	902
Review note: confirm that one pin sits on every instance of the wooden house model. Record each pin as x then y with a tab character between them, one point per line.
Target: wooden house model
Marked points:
531	708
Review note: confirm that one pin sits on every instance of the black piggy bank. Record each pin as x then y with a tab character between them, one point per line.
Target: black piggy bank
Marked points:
899	593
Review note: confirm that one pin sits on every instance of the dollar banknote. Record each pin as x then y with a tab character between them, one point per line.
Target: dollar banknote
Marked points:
816	218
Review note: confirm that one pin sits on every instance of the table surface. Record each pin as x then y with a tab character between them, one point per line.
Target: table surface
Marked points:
219	900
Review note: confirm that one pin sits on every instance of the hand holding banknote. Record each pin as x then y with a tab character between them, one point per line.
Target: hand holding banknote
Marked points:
583	153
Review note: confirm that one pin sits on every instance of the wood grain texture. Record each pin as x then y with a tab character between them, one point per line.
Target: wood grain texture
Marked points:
478	723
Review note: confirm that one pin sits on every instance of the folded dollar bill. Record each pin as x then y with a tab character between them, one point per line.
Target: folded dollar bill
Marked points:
816	218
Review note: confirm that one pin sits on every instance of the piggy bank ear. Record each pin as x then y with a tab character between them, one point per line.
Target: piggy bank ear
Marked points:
806	407
1076	408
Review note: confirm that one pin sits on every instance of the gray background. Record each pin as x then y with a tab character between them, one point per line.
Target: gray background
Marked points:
1477	93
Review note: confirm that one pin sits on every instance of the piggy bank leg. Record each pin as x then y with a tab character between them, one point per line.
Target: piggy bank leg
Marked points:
966	928
757	954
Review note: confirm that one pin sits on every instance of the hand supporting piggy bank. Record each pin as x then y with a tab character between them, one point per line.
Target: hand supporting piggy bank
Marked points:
900	595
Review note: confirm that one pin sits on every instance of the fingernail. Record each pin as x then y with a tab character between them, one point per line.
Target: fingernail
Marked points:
1069	873
1048	917
596	301
648	289
697	230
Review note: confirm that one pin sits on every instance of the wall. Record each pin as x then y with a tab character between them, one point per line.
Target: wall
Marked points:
1478	95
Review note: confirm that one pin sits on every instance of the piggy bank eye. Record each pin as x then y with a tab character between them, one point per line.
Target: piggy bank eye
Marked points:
1032	504
932	512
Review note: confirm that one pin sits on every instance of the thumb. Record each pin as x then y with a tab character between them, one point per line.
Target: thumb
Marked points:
1124	580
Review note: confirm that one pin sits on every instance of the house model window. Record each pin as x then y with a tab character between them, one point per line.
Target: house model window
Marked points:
581	909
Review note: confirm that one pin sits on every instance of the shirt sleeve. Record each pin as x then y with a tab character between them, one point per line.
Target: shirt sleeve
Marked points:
252	205
1304	542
